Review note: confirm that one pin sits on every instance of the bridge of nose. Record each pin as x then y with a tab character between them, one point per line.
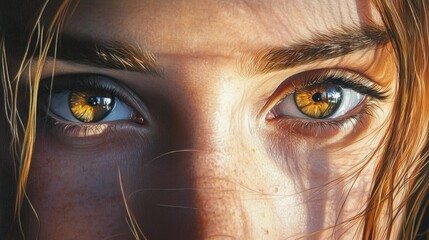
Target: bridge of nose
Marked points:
231	173
204	103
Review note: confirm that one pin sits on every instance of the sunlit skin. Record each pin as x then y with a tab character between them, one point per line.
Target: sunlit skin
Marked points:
210	160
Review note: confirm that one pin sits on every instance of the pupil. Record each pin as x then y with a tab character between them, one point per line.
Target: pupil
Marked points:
317	97
92	101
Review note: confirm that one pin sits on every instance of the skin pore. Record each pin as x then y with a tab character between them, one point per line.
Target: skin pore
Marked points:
210	155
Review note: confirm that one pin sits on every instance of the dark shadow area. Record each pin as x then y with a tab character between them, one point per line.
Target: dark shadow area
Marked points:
7	182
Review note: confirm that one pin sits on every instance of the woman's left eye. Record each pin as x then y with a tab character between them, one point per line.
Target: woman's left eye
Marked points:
318	101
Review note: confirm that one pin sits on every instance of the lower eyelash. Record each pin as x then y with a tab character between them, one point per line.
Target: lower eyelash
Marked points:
327	128
82	130
75	129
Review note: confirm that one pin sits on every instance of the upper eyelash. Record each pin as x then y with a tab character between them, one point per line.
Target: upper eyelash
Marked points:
346	80
86	82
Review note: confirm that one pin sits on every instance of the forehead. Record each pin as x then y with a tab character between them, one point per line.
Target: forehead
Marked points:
220	27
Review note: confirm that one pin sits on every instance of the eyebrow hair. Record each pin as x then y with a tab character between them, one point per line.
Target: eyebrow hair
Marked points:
337	43
113	55
322	46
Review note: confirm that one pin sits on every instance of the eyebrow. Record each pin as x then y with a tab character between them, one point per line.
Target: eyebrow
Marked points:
323	46
105	54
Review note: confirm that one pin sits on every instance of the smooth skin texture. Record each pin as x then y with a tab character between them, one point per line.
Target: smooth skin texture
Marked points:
209	162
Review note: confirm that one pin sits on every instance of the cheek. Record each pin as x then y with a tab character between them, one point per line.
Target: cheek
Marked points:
241	186
190	193
75	187
258	195
320	183
90	184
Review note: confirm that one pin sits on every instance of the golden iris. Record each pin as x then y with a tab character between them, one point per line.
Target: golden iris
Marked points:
88	107
318	101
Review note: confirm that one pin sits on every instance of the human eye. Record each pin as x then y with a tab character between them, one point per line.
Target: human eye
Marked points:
81	103
324	98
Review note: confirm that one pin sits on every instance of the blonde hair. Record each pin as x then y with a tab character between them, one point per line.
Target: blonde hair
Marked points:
403	169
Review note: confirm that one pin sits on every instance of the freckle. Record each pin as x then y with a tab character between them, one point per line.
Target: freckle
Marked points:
266	232
276	189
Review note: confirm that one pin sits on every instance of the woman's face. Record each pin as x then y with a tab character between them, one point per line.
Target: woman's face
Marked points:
211	119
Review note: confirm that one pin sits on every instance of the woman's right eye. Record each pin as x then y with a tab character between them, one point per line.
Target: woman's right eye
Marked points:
89	107
88	99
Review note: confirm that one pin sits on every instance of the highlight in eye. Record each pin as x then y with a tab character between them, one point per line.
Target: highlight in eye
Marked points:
89	106
318	101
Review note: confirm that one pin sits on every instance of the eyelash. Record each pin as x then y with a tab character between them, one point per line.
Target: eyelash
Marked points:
328	128
79	85
340	77
75	129
79	82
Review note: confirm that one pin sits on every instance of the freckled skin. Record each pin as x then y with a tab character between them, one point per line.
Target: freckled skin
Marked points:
207	163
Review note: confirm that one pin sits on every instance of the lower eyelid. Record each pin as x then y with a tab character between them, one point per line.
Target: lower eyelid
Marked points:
84	131
366	101
61	129
357	119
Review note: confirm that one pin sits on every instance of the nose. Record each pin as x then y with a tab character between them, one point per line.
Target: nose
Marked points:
217	176
224	167
196	182
219	146
235	195
219	196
